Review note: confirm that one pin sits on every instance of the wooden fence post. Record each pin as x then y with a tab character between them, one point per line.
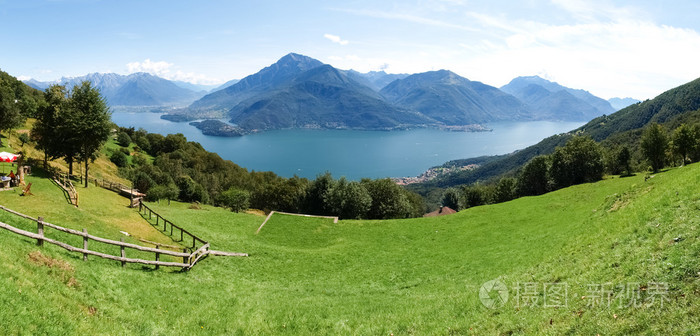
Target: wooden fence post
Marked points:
85	244
157	257
123	253
165	224
194	242
157	220
171	229
181	232
184	259
40	230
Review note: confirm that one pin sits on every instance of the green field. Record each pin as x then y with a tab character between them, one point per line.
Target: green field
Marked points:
624	252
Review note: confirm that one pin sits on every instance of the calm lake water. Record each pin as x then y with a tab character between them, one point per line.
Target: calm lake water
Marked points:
354	154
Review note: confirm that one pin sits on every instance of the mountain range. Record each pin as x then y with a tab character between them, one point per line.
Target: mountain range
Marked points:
298	91
137	89
551	101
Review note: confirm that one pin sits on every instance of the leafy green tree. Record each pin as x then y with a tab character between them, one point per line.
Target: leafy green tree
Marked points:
579	161
90	121
235	199
316	202
143	182
684	142
191	191
654	145
623	160
349	199
473	196
123	139
10	116
51	123
450	199
505	190
24	138
388	200
533	178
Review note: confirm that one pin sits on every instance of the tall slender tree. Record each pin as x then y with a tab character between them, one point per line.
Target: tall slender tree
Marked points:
90	121
654	145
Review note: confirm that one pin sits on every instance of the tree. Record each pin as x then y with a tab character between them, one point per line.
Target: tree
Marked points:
684	142
24	138
235	199
579	161
51	122
654	145
10	116
349	199
473	196
533	178
317	195
623	160
90	121
505	190
450	199
389	200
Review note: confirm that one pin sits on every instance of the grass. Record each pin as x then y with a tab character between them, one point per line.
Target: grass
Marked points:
418	276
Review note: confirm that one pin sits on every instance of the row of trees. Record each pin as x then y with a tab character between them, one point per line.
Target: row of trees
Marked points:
661	148
184	170
72	125
17	102
582	160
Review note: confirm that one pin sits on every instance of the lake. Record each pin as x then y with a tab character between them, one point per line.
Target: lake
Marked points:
354	154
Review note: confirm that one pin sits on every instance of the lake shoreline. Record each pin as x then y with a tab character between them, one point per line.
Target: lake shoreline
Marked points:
354	154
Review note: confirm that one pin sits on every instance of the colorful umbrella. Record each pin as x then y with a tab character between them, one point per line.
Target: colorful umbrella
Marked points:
7	157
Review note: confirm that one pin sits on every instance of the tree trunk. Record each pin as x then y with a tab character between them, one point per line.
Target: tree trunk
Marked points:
70	166
86	173
46	161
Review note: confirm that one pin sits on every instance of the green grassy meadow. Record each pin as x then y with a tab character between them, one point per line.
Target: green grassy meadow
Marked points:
401	277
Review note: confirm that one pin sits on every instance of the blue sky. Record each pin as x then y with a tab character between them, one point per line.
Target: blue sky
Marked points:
613	49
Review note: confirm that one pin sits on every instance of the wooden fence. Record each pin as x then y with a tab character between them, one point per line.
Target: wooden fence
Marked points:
188	259
64	181
184	234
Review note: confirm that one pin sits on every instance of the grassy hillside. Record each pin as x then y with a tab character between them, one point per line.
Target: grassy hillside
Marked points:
420	276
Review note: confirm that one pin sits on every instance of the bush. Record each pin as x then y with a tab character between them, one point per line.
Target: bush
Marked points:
123	139
119	159
235	199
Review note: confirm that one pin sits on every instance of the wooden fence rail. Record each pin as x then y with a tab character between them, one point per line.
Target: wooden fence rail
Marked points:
189	259
64	181
144	209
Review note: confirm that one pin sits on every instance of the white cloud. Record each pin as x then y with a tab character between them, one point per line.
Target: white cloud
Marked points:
617	56
166	70
336	39
160	69
24	78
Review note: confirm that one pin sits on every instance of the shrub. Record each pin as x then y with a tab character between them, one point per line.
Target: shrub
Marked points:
119	159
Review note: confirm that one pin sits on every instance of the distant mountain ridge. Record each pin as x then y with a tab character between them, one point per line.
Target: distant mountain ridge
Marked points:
137	89
300	92
552	101
620	103
454	100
